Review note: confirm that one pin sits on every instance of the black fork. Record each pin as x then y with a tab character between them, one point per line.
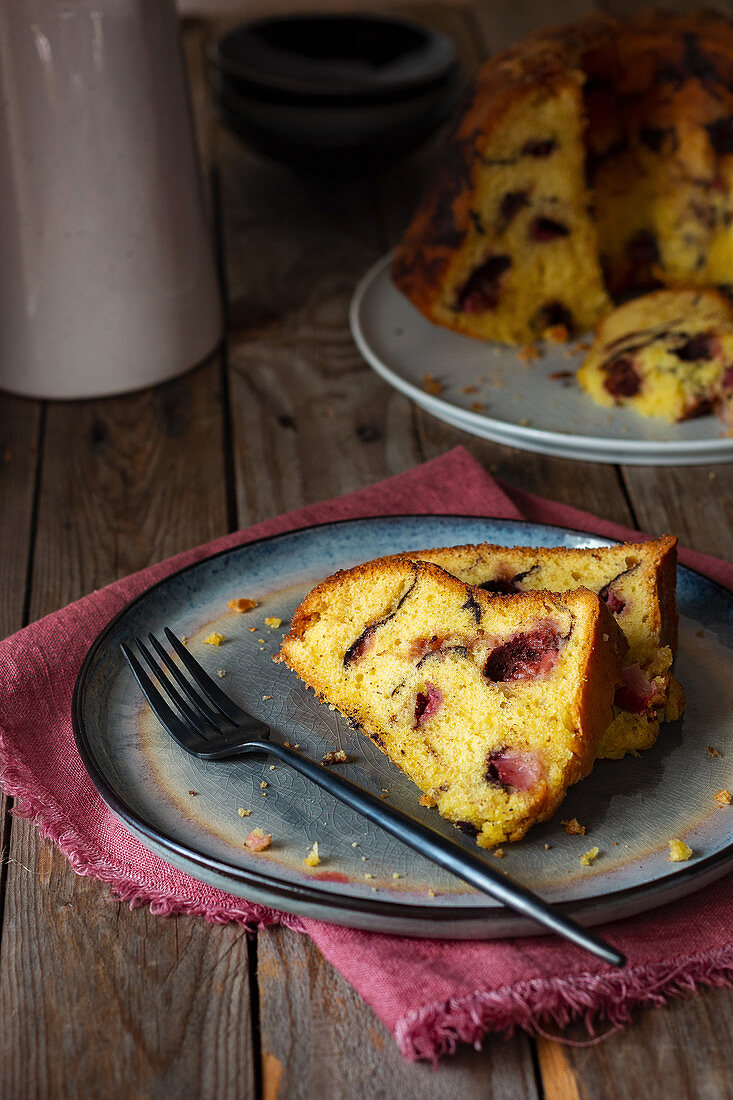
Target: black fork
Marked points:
208	724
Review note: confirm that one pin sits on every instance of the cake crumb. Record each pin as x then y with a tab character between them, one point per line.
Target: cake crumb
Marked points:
266	697
587	858
524	422
215	638
243	813
221	673
499	853
723	797
712	751
184	639
368	874
396	874
469	389
528	353
548	847
432	894
251	629
272	767
432	385
263	785
242	604
334	757
559	375
354	844
194	793
273	621
258	840
678	851
573	827
313	858
556	334
427	800
479	407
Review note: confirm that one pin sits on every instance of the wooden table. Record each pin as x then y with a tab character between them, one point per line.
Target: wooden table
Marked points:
98	1000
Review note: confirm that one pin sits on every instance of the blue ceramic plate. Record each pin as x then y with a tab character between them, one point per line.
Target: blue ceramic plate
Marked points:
631	808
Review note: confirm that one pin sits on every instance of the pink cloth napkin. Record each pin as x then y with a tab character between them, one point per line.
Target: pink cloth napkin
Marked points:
433	994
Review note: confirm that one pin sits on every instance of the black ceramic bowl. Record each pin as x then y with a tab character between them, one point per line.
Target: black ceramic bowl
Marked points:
334	93
354	58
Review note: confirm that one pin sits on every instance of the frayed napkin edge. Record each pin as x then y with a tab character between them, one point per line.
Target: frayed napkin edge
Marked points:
436	1029
42	810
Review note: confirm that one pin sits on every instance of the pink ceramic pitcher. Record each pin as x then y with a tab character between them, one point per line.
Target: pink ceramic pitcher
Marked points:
107	274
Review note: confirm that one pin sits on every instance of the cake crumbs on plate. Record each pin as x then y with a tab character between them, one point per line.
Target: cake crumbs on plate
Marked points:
587	857
427	800
556	334
258	840
354	844
242	604
334	756
499	853
528	353
194	793
221	673
272	767
368	874
243	813
479	407
712	751
396	874
524	422
266	697
313	858
215	638
469	389
263	785
432	894
184	639
678	851
432	385
273	621
573	827
548	847
723	797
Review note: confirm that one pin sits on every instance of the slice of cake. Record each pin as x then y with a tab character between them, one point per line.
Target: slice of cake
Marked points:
666	354
492	705
636	581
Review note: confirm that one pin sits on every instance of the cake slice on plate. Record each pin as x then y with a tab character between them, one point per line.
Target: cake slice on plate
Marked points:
492	705
636	581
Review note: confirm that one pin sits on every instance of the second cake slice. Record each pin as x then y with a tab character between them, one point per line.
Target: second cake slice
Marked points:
492	705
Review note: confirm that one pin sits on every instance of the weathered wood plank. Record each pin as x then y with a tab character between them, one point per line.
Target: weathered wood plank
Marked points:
310	420
681	1051
20	424
320	1039
97	999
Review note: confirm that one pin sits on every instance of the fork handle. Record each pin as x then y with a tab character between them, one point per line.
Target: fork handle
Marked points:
446	853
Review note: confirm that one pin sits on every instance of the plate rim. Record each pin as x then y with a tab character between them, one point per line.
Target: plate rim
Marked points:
702	449
704	867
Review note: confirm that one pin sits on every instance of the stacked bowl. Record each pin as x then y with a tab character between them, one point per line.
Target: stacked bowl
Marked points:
334	93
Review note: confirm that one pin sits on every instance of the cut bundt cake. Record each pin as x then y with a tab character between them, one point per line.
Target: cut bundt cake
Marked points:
667	354
492	705
593	160
636	581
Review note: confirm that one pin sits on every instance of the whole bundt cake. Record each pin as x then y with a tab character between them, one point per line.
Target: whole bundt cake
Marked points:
593	161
